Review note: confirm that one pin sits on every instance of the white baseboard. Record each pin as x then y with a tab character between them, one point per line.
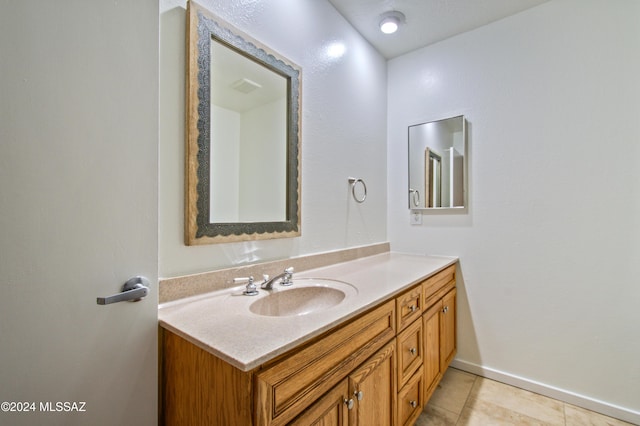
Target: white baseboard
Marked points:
540	388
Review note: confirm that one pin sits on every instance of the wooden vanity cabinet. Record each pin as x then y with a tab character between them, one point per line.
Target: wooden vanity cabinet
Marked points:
432	371
198	388
426	342
448	329
285	388
439	324
410	341
366	397
378	368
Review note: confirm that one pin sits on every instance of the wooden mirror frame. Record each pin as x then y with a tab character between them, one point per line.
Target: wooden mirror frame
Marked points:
202	27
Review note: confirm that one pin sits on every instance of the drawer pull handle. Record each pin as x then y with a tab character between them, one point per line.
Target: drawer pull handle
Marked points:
413	351
413	404
348	403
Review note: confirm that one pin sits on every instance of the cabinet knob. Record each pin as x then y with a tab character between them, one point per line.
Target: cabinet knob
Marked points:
358	394
413	308
413	404
413	351
348	403
446	308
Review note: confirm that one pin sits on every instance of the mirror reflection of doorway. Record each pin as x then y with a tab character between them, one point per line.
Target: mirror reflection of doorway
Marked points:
433	178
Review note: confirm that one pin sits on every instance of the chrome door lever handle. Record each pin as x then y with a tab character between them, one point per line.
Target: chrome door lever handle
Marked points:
133	290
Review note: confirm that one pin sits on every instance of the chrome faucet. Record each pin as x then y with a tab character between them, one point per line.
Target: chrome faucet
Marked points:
285	279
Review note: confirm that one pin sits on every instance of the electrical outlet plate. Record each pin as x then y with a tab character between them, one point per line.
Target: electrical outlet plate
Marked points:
415	217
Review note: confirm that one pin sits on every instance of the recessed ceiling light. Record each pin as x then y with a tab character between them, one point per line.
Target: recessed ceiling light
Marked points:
390	21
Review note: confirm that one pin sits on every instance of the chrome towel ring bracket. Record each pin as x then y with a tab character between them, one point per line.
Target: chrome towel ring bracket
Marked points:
354	181
416	197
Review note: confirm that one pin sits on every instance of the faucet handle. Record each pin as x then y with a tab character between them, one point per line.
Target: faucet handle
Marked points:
286	279
251	289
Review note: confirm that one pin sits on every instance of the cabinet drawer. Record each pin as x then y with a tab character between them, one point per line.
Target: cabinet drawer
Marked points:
411	400
409	307
284	389
438	285
410	351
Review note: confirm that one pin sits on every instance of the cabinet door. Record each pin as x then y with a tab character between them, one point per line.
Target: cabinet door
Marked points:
431	326
329	410
448	330
373	389
287	387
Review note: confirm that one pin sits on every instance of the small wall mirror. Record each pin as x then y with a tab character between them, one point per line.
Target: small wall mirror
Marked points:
438	164
243	136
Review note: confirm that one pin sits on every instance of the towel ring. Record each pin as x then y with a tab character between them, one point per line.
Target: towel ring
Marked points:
416	197
353	181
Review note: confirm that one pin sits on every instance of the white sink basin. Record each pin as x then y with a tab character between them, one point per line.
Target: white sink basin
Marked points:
304	297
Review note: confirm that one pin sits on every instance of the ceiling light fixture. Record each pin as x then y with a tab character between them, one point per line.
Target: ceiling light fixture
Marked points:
390	21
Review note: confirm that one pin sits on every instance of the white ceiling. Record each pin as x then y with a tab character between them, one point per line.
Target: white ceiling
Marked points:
428	21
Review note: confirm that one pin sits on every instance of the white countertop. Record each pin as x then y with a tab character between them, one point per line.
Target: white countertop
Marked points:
222	324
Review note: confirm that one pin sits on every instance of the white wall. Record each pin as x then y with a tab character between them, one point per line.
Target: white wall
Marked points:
263	172
550	246
225	167
343	131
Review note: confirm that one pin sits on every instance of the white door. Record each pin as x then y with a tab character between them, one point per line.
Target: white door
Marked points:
78	211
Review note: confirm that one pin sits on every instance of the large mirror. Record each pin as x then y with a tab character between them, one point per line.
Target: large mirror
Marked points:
438	164
243	136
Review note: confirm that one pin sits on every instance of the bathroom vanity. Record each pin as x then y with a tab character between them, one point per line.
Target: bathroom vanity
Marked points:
373	357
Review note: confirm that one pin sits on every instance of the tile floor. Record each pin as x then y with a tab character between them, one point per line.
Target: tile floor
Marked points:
464	399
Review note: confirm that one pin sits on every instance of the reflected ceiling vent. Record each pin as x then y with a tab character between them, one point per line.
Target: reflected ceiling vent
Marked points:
245	85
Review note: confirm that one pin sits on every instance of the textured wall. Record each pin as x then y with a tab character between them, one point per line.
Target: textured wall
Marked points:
343	132
549	247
